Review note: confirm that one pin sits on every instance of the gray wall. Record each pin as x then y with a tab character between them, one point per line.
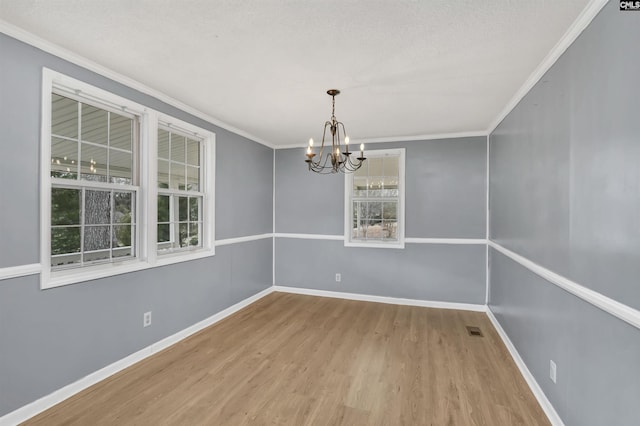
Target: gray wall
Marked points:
596	354
54	337
565	193
437	272
445	198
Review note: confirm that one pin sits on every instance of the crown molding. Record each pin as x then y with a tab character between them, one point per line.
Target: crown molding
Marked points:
582	21
46	46
391	139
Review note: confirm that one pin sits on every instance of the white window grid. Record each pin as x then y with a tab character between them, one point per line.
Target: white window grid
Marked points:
391	232
79	259
108	148
141	180
174	245
376	192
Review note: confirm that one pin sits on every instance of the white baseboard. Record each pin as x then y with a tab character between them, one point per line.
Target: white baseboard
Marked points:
381	299
30	410
546	405
26	412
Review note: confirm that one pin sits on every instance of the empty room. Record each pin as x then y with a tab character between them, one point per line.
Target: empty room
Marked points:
320	212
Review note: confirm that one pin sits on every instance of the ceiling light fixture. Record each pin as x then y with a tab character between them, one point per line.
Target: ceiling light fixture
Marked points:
338	158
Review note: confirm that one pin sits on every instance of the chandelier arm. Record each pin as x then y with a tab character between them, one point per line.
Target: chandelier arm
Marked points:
339	158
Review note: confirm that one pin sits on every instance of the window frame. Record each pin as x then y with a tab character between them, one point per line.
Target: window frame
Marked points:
206	191
348	203
145	168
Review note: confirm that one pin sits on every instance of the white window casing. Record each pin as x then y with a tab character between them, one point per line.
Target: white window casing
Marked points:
142	186
357	237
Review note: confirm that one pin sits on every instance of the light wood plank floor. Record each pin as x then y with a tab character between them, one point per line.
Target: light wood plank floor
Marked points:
296	360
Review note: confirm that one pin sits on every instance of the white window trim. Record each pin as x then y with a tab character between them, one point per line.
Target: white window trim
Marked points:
146	255
348	204
207	174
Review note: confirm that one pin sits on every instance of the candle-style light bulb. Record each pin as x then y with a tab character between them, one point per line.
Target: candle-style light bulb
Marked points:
346	140
308	150
310	142
361	148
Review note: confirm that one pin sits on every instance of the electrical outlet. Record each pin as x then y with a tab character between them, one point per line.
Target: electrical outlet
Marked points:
146	319
552	370
338	278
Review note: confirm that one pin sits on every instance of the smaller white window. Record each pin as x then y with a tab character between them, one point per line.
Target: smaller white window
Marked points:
185	174
374	201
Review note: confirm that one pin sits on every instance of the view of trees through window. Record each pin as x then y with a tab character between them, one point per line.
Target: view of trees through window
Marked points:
179	191
92	197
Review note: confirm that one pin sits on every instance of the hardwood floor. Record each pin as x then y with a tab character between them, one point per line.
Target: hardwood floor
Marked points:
296	360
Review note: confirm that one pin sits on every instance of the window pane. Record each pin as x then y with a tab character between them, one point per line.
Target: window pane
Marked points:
163	174
65	240
184	234
193	178
178	178
64	116
97	207
61	260
194	236
390	230
94	163
193	152
96	255
390	210
121	132
94	124
163	209
183	209
391	166
363	170
122	236
359	186
65	206
164	233
122	252
390	185
375	213
177	148
375	166
122	207
194	208
64	158
163	144
97	238
120	167
359	219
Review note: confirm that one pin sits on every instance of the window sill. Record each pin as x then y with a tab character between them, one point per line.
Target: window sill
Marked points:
374	244
183	256
78	275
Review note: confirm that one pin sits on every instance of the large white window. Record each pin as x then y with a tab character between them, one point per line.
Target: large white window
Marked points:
93	183
374	201
119	181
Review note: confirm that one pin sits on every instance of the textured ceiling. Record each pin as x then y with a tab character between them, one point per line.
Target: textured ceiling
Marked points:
405	68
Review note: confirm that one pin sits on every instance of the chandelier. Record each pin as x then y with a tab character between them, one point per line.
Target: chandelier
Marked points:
337	158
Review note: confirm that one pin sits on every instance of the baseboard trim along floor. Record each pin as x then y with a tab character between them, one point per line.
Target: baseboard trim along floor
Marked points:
32	409
36	407
382	299
544	402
